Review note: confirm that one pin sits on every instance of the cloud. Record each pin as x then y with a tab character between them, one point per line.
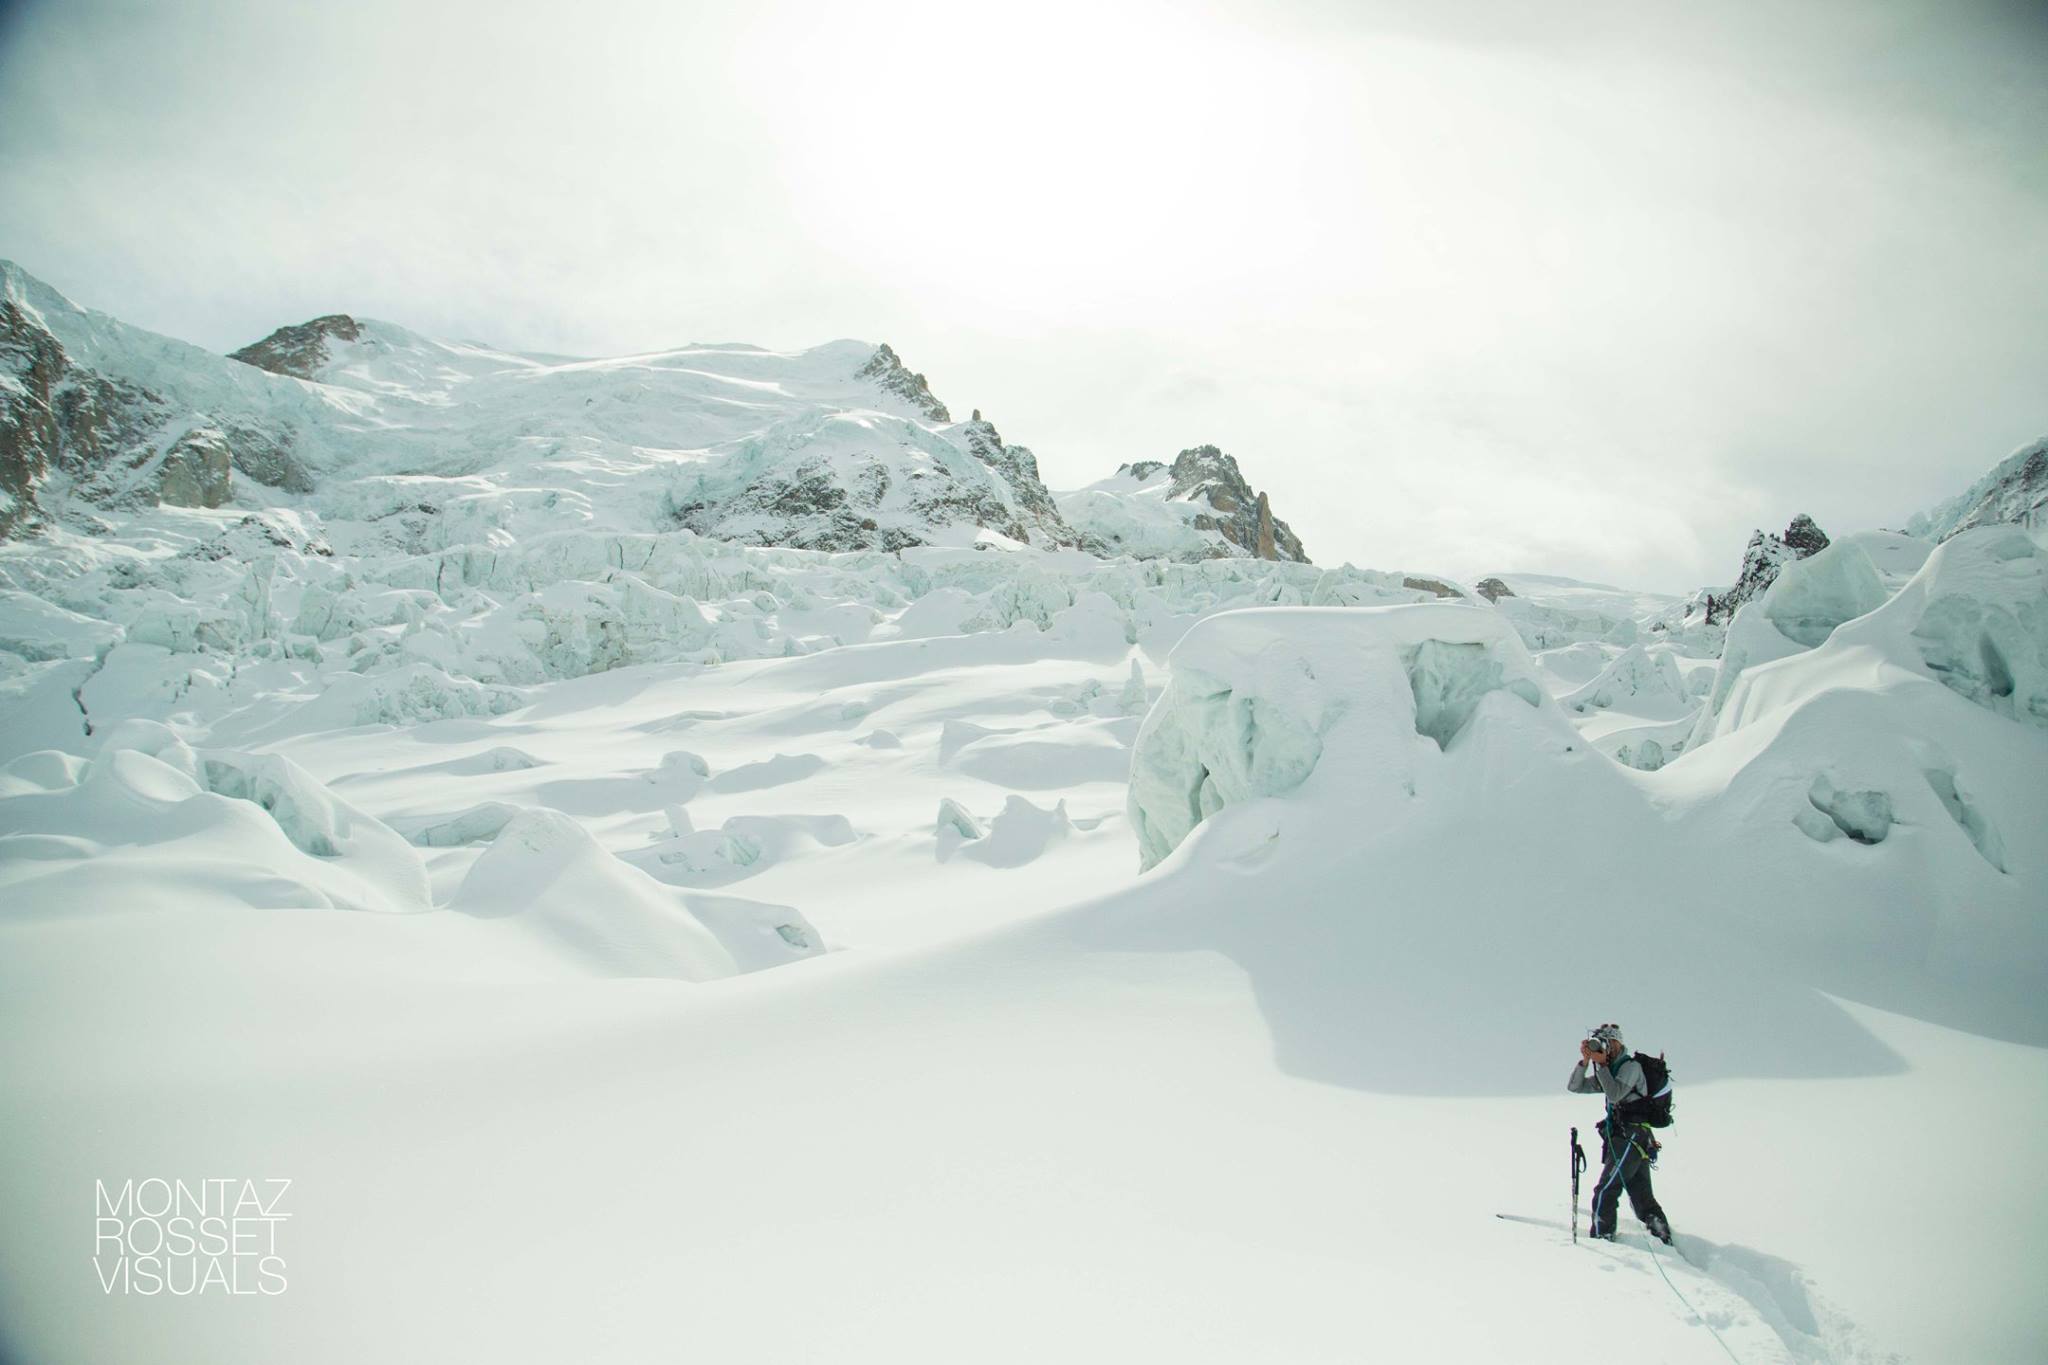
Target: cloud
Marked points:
1467	288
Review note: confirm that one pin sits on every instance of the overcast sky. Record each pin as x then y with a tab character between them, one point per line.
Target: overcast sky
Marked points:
1590	288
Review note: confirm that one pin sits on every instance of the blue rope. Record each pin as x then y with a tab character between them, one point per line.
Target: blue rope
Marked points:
1659	1262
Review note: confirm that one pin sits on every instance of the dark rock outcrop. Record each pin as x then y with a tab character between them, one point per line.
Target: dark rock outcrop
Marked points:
258	534
1206	475
266	456
909	489
1804	538
1232	520
195	470
67	428
1492	589
75	441
894	378
1019	469
32	362
839	505
299	351
1761	561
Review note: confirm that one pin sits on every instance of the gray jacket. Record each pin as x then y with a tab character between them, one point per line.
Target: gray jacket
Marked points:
1621	1084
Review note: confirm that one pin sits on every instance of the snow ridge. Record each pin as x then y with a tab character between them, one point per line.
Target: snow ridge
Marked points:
2014	493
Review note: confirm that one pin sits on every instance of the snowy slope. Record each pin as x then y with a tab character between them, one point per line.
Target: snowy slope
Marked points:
1551	612
1628	667
1262	1101
1574	597
634	942
837	447
2013	493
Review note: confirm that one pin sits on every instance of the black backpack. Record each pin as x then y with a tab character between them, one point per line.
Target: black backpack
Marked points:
1655	1109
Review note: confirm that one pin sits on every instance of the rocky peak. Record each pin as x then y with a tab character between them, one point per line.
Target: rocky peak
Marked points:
299	351
74	438
1492	589
1219	515
893	377
1200	465
1804	537
67	432
982	438
1205	474
1019	469
1765	555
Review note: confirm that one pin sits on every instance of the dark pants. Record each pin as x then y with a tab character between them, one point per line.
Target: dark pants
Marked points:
1624	1166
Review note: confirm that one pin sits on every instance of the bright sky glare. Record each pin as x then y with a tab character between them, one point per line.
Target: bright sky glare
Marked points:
1588	289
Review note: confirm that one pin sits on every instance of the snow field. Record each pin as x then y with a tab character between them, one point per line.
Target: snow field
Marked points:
632	943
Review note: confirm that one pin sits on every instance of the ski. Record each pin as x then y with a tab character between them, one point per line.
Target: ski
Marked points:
1535	1222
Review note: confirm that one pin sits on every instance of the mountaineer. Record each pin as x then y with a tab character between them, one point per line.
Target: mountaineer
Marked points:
1638	1093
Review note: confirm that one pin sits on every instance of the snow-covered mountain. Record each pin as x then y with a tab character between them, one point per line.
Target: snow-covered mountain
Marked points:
413	529
2014	493
1198	507
840	447
395	797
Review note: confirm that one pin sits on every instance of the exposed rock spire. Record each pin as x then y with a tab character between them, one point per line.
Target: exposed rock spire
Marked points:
893	377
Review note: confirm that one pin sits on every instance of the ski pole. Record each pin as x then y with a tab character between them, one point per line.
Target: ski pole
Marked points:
1578	1163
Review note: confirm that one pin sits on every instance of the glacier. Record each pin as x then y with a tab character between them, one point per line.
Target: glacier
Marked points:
604	917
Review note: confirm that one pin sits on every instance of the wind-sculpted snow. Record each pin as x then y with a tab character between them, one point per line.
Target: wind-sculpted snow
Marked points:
1449	679
1640	708
1636	679
149	816
1804	604
1974	619
1982	625
35	631
1018	1042
1254	698
1342	751
1019	833
1865	816
545	874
